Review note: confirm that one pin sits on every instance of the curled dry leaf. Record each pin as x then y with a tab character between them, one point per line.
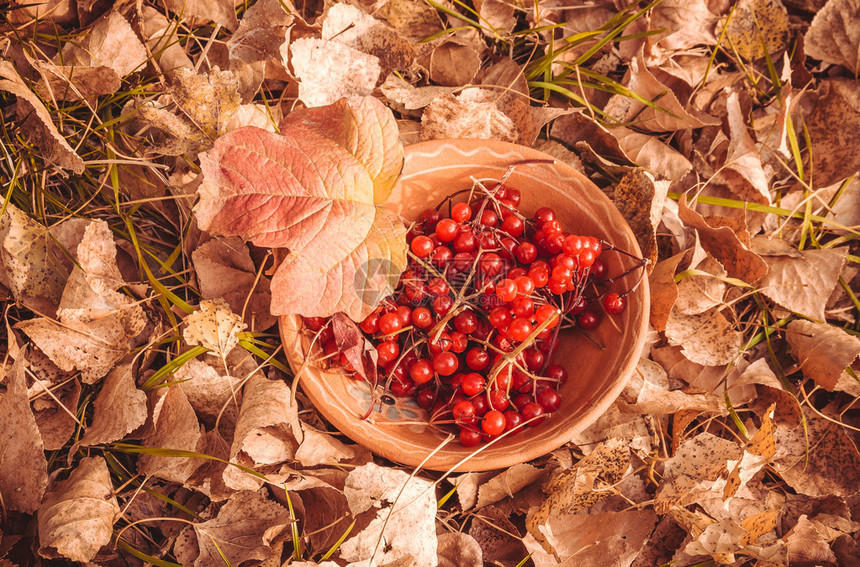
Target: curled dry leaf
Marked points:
742	158
649	393
318	183
225	270
803	283
175	428
318	448
23	468
400	92
212	393
756	26
64	82
39	124
76	517
471	114
649	152
832	37
96	322
244	530
110	42
213	325
453	64
640	200
664	290
823	351
611	538
670	114
507	483
35	269
723	244
684	24
706	338
119	409
410	510
329	70
456	549
158	36
585	484
263	437
261	32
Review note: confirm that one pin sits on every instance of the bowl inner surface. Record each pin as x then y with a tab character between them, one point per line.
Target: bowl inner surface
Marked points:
597	369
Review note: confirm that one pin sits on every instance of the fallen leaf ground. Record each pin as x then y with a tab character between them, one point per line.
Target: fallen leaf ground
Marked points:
141	356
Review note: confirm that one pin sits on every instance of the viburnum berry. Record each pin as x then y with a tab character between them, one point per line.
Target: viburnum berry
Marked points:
493	422
614	303
422	246
461	212
447	230
421	371
472	384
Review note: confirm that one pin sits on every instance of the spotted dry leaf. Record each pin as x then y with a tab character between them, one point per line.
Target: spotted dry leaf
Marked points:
649	393
833	466
66	82
38	121
803	283
834	130
706	338
684	24
769	392
350	26
568	491
109	42
55	419
823	351
76	517
456	549
213	325
833	37
705	457
662	161
453	64
221	12
400	92
743	172
23	468
757	25
507	483
640	200
698	293
611	539
722	243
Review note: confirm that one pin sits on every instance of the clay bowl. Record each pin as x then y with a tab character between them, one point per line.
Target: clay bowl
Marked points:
397	432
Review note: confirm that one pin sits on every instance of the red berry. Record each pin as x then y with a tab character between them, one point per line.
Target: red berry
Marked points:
539	275
370	325
442	304
542	215
525	285
556	372
545	312
523	307
586	258
472	384
465	242
314	323
514	196
421	371
405	315
520	329
438	286
461	212
444	342
548	399
513	419
459	342
493	422
532	411
498	399
526	253
490	264
422	318
588	320
387	351
390	323
506	290
445	363
466	322
470	437
489	218
440	256
422	246
463	409
447	230
500	318
520	401
572	245
599	271
614	303
477	358
426	398
513	225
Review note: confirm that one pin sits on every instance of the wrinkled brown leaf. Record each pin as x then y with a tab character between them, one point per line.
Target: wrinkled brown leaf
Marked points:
610	539
757	22
453	64
175	427
471	114
76	517
823	351
834	130
263	437
38	120
706	338
649	393
664	290
328	70
803	283
457	549
23	468
640	200
213	325
110	42
119	409
56	423
832	37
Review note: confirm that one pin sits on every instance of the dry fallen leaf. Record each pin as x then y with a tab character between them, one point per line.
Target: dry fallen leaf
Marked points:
670	116
803	283
456	549
471	114
507	483
568	491
119	409
409	505
23	468
640	200
110	42
757	25
221	12
834	130
318	448
76	517
56	421
39	123
263	436
244	529
684	24
175	428
823	351
453	64
664	290
212	393
706	338
743	172
611	538
213	325
662	161
649	393
832	36
328	70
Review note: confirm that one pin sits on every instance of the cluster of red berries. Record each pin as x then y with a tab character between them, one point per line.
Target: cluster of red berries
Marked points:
471	329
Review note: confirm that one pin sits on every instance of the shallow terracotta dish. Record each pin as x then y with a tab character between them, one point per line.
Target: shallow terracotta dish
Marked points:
398	432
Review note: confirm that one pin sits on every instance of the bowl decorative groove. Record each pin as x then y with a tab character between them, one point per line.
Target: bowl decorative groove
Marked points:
398	432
